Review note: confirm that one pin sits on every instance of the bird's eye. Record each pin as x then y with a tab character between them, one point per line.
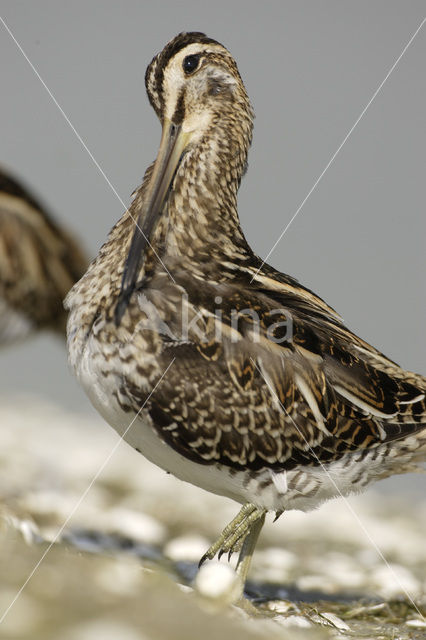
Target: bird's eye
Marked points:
190	63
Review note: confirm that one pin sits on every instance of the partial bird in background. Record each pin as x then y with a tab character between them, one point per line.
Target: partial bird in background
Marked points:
39	263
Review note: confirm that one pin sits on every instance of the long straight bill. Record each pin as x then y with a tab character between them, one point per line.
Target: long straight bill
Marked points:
173	143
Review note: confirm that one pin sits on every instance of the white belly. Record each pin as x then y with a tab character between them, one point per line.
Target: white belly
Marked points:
137	430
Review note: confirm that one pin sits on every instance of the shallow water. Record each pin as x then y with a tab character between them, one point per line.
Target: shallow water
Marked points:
125	555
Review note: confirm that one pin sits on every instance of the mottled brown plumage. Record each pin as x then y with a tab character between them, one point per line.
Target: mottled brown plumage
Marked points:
39	263
267	398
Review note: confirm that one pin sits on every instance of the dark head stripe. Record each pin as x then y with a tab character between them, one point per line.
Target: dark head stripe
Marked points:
179	42
179	113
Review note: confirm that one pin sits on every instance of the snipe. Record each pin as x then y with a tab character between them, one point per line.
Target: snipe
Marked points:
232	375
39	263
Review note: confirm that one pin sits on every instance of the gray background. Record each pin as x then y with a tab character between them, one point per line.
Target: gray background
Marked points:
310	69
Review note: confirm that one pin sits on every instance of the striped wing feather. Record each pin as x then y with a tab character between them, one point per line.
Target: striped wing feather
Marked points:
39	262
253	403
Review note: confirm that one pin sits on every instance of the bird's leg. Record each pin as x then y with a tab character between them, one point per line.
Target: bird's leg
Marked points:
246	553
245	527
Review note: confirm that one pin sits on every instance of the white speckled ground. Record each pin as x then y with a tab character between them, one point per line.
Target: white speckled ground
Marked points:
139	532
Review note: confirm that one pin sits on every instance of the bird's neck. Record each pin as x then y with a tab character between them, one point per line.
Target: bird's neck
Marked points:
199	230
200	223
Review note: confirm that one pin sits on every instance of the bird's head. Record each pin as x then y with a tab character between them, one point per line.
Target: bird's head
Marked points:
193	82
195	88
